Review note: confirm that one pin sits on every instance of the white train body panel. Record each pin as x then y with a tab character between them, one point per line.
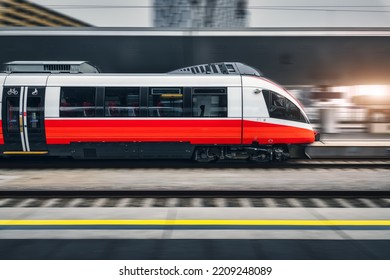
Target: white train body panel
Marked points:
147	80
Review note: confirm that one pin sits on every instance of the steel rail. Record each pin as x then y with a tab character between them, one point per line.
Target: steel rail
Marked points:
194	194
56	163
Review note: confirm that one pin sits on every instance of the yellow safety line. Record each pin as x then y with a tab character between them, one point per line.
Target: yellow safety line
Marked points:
25	153
195	222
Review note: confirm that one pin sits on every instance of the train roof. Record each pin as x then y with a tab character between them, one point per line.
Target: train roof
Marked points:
223	68
72	67
78	67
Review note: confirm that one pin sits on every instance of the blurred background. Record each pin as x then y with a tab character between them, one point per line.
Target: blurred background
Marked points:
334	56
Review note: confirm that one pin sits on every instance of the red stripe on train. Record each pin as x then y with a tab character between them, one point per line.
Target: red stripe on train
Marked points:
195	131
1	133
267	134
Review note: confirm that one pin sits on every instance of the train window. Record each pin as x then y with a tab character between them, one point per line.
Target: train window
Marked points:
121	102
293	113
13	115
281	108
77	102
209	102
34	114
165	102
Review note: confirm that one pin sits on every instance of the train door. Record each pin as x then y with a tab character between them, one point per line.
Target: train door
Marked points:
255	116
23	120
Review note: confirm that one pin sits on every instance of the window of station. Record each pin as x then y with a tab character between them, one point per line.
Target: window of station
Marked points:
281	108
121	102
77	102
165	102
209	102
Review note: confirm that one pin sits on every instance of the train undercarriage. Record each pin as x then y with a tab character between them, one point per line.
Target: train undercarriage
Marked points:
170	150
258	153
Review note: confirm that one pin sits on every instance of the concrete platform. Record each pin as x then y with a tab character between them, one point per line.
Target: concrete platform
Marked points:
170	242
351	145
195	223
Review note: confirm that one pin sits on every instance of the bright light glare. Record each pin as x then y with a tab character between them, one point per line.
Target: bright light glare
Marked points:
377	90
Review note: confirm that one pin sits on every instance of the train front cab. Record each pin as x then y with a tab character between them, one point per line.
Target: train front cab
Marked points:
22	115
273	118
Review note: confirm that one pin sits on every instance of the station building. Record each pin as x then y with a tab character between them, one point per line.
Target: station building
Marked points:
26	14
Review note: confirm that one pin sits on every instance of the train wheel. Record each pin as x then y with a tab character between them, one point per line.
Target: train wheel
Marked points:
280	153
259	158
205	155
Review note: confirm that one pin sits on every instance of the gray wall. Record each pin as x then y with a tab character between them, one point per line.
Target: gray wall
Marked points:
287	60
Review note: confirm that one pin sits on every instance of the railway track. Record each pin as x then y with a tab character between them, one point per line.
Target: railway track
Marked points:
56	163
263	199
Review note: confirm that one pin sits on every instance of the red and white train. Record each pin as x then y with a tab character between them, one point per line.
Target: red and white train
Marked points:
205	112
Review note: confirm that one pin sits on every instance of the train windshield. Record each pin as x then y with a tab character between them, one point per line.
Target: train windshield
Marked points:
280	107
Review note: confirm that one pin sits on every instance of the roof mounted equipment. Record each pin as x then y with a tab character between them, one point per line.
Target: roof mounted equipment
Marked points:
50	67
221	68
